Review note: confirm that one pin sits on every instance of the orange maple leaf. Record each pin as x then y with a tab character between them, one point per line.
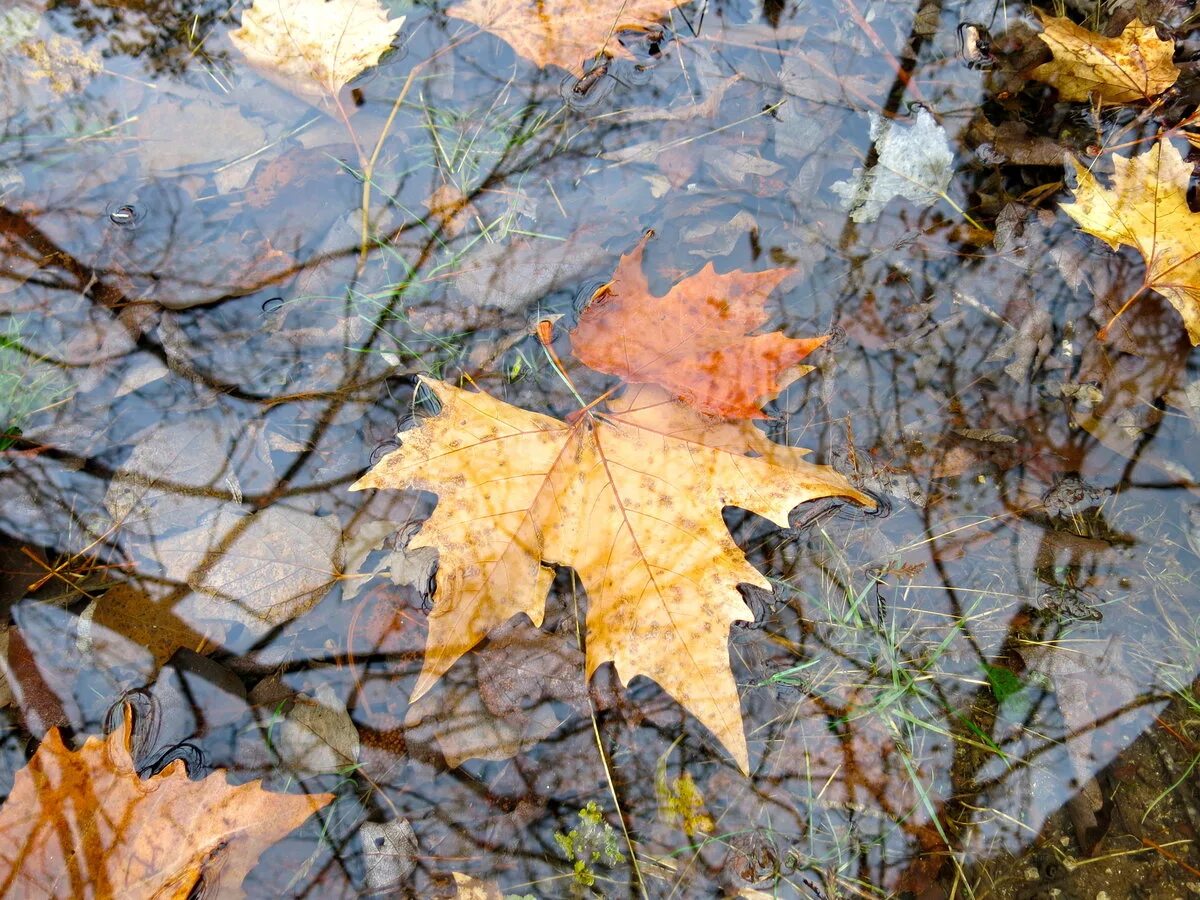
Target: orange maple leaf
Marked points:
563	33
696	341
83	824
631	500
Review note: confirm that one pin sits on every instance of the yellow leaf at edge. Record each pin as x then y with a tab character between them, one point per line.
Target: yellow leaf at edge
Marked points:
1135	65
636	512
313	48
1147	209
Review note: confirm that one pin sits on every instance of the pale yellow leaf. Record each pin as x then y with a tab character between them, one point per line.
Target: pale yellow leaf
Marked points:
313	48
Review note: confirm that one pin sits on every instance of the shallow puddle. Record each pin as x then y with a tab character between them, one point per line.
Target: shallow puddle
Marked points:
243	263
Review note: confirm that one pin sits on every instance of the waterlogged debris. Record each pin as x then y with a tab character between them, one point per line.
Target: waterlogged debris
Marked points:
389	853
561	32
680	803
84	817
1135	65
314	48
591	844
1147	209
450	210
317	734
915	162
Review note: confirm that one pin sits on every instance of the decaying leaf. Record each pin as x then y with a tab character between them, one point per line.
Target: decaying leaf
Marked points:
260	570
505	703
135	612
450	209
317	735
562	33
915	163
1147	209
173	477
695	341
82	823
389	853
635	511
1135	65
313	48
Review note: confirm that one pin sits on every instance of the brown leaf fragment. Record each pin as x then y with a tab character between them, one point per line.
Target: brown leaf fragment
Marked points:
696	341
130	611
450	209
505	706
1135	65
475	888
82	823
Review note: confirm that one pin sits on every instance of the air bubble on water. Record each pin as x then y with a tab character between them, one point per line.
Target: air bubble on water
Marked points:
383	450
274	303
125	216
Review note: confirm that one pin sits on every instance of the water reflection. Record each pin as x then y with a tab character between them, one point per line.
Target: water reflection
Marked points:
198	358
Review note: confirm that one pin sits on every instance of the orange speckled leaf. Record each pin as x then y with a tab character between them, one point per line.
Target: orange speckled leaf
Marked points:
83	824
696	341
634	509
563	33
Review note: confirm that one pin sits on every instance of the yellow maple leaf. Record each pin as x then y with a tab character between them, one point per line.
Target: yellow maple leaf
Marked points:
314	48
563	33
635	511
1147	209
1135	65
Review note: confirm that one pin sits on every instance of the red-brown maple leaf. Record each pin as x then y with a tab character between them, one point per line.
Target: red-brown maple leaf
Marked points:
696	341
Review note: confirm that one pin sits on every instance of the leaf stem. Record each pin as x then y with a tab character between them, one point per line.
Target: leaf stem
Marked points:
612	788
1103	333
543	331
